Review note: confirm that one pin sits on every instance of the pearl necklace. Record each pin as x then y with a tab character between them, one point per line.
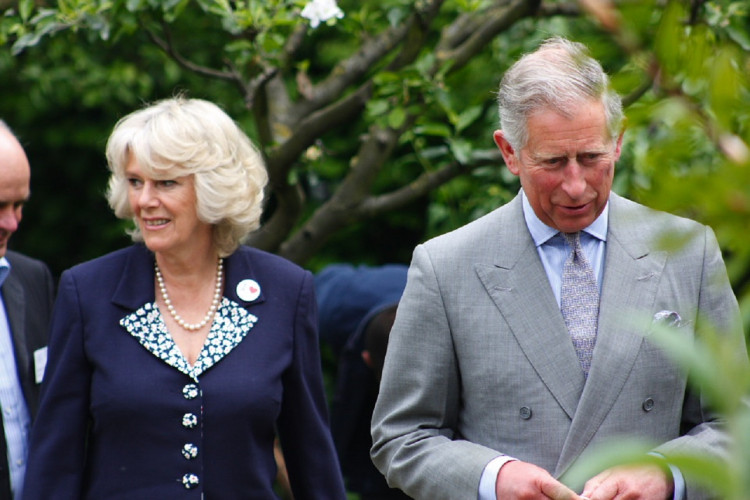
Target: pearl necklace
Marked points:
211	310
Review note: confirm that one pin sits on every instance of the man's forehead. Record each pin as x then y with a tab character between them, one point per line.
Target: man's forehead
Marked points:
14	184
554	152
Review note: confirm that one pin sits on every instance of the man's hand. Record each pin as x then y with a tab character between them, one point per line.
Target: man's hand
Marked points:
524	481
645	482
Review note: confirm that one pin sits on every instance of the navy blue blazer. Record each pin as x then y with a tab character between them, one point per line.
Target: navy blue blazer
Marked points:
27	293
117	421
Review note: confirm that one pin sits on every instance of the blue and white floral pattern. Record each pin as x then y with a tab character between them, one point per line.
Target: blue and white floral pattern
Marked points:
231	324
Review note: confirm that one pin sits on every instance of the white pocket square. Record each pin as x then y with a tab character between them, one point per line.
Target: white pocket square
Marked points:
668	318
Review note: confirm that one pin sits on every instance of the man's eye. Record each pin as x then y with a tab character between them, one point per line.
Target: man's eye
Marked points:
591	158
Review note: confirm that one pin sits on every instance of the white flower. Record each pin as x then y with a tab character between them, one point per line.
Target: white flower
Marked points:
318	11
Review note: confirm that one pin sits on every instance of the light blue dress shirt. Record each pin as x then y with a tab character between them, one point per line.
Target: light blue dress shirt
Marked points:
15	414
553	250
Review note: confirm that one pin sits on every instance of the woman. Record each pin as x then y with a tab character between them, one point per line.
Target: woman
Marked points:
174	363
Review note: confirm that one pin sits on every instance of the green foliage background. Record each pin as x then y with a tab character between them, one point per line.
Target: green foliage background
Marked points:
70	69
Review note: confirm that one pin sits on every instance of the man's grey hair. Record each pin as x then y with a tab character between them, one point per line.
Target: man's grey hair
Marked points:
559	75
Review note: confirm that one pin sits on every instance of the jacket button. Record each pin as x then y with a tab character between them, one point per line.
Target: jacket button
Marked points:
648	404
525	412
190	481
190	391
189	451
189	420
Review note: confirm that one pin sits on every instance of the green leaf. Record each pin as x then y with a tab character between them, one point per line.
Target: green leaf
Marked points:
669	37
435	129
461	150
377	107
133	5
467	117
46	27
25	8
396	118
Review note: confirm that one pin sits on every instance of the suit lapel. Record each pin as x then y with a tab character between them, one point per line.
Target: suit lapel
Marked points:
15	310
631	277
520	289
136	286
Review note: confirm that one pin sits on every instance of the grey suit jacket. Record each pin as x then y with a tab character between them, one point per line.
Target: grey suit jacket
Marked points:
27	294
480	363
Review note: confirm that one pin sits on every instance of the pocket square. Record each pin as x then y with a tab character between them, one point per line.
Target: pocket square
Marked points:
667	318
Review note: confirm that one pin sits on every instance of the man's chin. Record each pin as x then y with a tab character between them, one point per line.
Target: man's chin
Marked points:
573	226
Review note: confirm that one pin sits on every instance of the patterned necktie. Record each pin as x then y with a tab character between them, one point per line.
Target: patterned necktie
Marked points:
579	301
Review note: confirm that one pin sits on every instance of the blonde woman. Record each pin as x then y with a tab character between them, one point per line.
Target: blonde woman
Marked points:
175	362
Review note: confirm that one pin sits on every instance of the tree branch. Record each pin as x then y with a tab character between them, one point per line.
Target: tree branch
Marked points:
250	90
481	32
288	202
419	24
559	9
424	184
168	47
280	158
293	43
340	210
352	69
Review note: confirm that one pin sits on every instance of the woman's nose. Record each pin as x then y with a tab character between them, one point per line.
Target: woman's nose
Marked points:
148	195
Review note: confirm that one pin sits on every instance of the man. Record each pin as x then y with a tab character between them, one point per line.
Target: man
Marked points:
502	371
356	307
26	293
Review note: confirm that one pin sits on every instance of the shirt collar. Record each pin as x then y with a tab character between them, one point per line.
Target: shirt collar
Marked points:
4	269
541	232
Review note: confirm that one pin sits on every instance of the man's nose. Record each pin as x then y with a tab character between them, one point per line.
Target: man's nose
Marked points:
9	218
574	182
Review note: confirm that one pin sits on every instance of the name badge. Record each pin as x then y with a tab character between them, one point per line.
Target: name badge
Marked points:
40	363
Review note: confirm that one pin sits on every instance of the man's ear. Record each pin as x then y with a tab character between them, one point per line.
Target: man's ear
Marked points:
509	154
618	146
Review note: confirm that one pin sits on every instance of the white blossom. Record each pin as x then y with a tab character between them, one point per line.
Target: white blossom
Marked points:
318	11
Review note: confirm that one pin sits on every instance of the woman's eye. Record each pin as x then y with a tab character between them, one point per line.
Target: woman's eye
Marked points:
134	182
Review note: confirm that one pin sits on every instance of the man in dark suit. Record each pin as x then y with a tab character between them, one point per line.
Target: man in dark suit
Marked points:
26	294
356	309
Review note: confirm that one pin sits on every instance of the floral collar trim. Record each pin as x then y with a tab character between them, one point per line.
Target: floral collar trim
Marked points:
231	324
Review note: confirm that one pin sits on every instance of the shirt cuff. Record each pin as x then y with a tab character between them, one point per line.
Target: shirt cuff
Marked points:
489	477
678	480
679	483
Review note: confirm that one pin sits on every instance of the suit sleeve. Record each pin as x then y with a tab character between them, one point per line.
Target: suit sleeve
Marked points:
415	444
704	431
57	445
309	452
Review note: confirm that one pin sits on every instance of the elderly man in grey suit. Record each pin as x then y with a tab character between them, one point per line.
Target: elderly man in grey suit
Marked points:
26	291
521	341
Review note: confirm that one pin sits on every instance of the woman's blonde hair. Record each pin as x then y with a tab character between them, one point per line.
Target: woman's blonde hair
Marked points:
178	137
